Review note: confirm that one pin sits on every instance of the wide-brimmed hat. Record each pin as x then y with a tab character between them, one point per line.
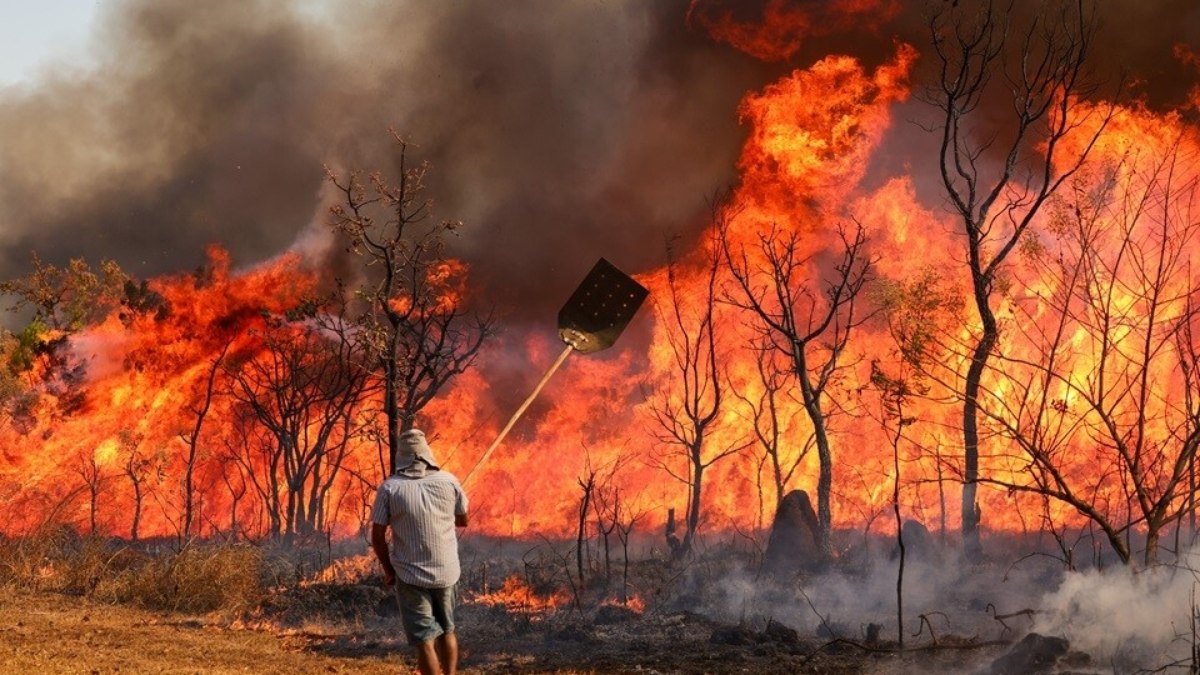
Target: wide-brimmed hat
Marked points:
411	447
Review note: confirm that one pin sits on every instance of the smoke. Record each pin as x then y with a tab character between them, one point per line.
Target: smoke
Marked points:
1139	620
559	132
1120	618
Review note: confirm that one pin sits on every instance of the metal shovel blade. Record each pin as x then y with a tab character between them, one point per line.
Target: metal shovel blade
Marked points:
600	309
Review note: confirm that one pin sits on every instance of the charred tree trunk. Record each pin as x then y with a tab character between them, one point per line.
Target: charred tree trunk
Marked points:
1041	69
137	512
585	505
673	543
693	510
192	441
972	547
812	404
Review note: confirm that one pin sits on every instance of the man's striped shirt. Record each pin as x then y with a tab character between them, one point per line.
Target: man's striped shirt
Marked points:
421	514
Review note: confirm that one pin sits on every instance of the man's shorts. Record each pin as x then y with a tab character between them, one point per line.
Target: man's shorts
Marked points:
425	612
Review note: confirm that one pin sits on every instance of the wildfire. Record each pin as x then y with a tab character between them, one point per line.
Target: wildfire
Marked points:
633	602
515	596
149	416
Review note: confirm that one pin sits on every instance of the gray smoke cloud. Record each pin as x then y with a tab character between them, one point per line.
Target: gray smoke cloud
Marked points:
1121	619
557	131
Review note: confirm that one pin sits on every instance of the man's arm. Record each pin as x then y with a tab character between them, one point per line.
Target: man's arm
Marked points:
379	544
460	520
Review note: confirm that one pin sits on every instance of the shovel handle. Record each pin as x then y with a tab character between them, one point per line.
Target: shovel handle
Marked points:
520	411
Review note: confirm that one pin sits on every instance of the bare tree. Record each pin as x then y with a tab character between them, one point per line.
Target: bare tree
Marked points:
608	509
1114	370
191	441
687	409
303	387
766	412
137	467
235	481
810	331
418	327
913	310
93	479
626	519
259	458
587	485
997	178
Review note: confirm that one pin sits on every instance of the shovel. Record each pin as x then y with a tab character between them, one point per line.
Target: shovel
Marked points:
591	320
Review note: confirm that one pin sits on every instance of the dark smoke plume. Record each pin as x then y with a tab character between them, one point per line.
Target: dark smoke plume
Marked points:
558	131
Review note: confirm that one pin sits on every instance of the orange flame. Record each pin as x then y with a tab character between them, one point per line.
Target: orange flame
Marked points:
517	597
811	136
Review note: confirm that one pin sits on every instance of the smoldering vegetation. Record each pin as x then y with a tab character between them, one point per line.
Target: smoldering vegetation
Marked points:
524	606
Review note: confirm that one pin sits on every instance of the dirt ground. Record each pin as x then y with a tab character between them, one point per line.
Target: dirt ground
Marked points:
54	633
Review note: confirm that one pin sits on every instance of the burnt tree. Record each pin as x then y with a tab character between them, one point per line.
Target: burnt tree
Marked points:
1101	403
414	315
303	387
769	423
1005	98
810	330
94	479
687	407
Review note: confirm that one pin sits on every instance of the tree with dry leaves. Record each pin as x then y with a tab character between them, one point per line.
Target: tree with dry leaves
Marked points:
1008	93
1101	402
414	312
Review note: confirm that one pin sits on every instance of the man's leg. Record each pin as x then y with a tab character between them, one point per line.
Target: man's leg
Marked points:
427	658
447	651
420	627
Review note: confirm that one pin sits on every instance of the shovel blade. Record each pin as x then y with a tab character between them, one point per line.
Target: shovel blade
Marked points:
600	309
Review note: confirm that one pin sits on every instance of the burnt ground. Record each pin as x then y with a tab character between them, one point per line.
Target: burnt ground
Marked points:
614	639
53	633
523	614
705	617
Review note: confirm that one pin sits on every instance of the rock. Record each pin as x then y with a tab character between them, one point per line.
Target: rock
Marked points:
777	632
733	635
792	545
919	544
1033	654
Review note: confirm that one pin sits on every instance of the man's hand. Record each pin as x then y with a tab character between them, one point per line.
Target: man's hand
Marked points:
379	545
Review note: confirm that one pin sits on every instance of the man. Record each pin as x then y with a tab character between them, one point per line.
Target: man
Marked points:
423	505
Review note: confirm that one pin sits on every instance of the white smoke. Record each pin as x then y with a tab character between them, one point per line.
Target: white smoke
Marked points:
1117	615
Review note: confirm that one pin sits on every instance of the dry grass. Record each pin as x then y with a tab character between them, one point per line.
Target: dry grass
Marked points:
201	578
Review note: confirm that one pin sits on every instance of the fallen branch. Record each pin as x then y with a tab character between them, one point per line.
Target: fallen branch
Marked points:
1001	617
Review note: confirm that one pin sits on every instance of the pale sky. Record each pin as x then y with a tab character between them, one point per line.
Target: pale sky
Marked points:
37	33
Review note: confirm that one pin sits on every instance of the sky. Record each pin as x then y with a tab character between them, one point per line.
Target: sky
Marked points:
34	35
